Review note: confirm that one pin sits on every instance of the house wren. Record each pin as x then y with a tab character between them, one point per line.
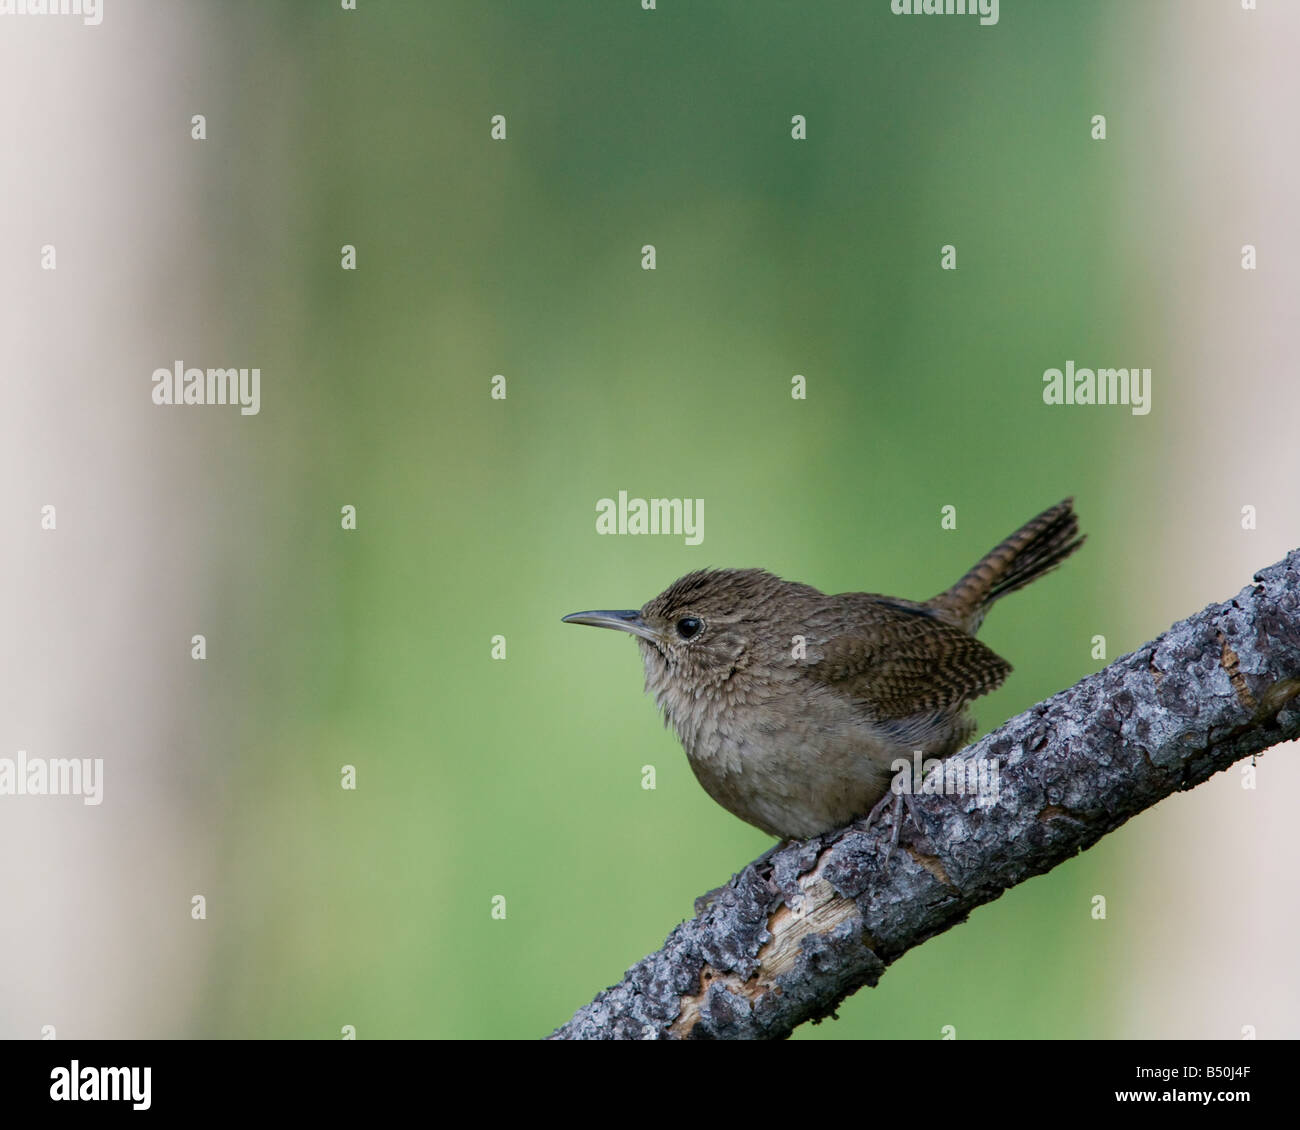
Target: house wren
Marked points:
792	705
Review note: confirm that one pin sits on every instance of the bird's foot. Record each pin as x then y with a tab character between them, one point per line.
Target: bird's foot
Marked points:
898	802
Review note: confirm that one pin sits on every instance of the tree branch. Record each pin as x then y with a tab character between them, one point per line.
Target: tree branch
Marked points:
799	930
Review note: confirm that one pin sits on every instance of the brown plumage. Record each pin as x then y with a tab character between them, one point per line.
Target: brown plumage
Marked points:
792	704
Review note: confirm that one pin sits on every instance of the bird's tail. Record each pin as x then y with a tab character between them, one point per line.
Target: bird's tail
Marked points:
1036	548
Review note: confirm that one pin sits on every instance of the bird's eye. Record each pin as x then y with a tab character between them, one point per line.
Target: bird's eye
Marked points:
688	627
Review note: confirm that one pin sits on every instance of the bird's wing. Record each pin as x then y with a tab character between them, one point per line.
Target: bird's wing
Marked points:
900	660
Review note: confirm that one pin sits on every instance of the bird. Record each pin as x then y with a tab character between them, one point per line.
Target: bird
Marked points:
793	705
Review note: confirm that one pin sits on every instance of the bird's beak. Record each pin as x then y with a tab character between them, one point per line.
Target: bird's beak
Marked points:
628	620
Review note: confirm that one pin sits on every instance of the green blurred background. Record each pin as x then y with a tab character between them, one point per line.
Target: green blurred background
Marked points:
476	517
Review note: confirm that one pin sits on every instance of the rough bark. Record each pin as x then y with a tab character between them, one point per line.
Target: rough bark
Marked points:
796	932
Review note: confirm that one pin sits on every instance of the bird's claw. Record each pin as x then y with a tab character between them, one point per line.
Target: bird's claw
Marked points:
898	801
